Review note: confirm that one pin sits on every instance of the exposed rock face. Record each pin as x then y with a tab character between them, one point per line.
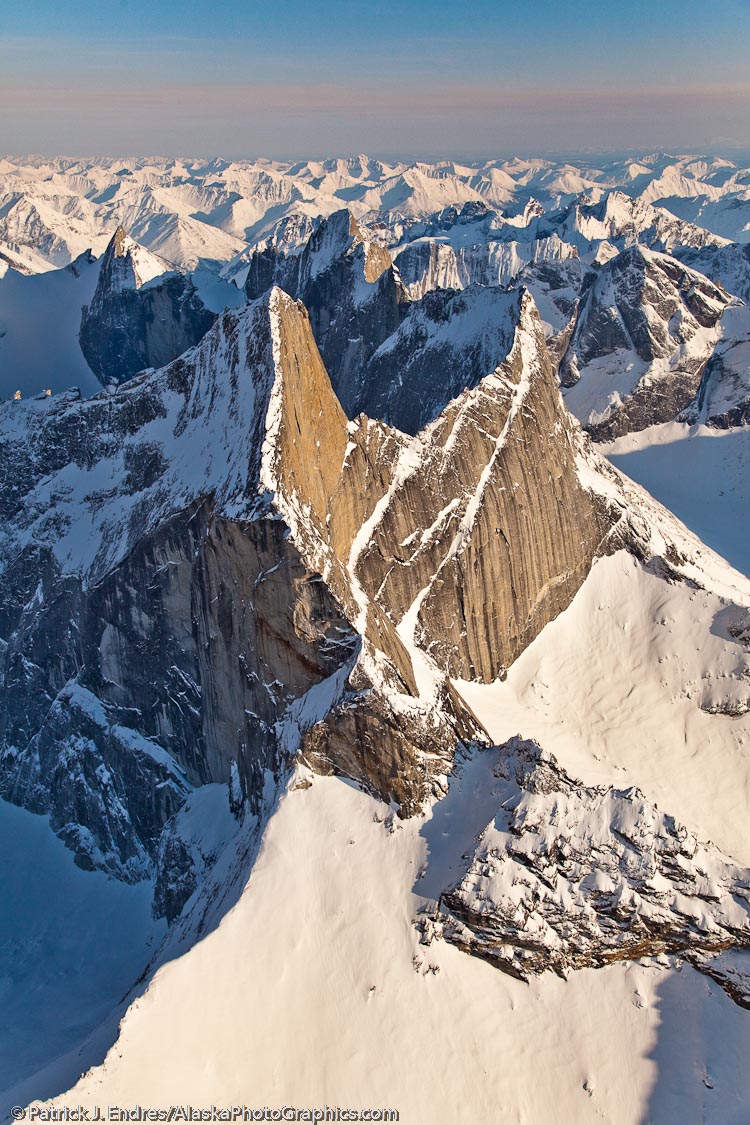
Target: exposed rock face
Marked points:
180	626
431	263
211	569
644	333
567	876
393	360
129	327
352	293
506	530
400	754
108	789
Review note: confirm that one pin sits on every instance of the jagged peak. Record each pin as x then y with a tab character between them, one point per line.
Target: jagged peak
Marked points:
645	260
119	244
128	265
339	229
306	428
248	416
340	236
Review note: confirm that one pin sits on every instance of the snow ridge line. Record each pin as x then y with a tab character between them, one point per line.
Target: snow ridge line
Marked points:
274	407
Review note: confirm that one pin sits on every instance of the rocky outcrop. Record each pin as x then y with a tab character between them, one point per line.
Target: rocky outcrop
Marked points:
644	333
475	245
141	315
397	361
567	876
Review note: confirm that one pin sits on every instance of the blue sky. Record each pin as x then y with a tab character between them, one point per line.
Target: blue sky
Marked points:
409	78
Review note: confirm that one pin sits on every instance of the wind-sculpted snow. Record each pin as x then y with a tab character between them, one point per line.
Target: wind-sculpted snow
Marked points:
40	318
567	876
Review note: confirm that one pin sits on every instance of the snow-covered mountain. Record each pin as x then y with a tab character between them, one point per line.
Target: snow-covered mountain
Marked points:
645	330
186	210
346	683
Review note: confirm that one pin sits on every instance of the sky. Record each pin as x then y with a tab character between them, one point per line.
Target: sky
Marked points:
413	78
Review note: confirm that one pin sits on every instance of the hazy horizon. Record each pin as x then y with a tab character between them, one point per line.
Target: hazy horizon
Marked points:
413	80
738	154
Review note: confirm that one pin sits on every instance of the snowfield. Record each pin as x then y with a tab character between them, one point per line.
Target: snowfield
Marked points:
314	989
621	687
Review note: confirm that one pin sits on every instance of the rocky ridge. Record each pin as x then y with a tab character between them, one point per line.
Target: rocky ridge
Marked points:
353	295
643	334
567	876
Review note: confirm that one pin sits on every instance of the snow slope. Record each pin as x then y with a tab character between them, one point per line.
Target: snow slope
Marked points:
40	316
699	473
315	990
620	689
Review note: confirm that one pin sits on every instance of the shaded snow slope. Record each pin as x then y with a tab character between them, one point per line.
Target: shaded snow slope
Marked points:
72	943
700	473
40	316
